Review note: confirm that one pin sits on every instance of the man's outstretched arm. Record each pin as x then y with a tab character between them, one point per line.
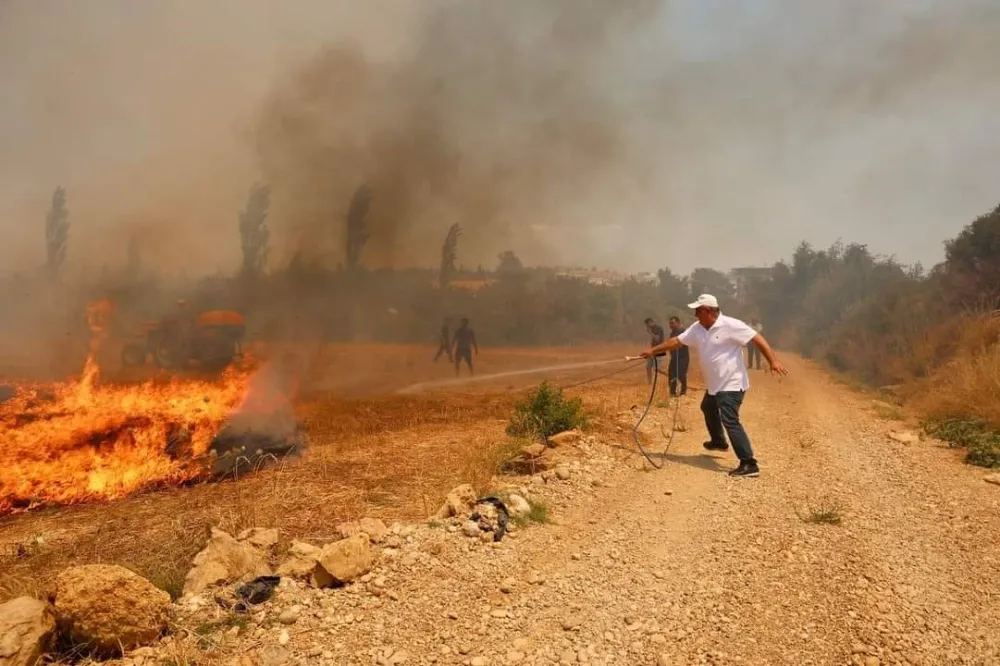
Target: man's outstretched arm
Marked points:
772	360
668	345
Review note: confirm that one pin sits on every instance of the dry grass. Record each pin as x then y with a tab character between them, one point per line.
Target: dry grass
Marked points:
968	386
393	457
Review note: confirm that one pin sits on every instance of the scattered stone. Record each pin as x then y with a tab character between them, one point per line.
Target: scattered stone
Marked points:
562	473
108	608
26	629
508	585
664	660
903	437
273	655
458	502
373	528
565	437
533	451
290	616
225	560
284	637
478	661
517	505
301	560
470	528
571	623
992	478
343	561
258	537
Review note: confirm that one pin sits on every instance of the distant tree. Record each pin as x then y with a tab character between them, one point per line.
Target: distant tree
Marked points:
972	263
449	255
56	233
509	263
357	229
711	281
675	290
254	233
133	266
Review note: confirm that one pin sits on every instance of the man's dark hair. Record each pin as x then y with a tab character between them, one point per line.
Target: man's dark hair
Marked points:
675	318
648	320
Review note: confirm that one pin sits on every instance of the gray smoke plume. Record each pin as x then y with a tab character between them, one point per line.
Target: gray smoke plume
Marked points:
630	134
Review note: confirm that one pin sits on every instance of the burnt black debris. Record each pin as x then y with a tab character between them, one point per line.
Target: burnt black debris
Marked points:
239	451
503	517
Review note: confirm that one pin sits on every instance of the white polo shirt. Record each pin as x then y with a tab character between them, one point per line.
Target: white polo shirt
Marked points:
720	353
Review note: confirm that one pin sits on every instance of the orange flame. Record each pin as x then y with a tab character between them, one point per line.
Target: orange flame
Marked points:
79	441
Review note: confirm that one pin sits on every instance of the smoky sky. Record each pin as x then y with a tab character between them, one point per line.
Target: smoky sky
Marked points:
630	135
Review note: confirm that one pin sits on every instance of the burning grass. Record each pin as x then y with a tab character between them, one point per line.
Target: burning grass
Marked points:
391	456
78	441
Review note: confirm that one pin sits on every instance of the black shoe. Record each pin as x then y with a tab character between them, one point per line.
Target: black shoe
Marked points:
747	468
712	446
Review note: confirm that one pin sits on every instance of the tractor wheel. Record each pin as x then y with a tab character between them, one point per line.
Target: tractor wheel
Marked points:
133	355
163	356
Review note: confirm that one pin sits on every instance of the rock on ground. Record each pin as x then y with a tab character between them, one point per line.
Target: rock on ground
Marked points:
992	478
108	608
343	561
518	505
300	561
458	502
26	629
265	539
533	451
565	437
225	560
903	437
373	527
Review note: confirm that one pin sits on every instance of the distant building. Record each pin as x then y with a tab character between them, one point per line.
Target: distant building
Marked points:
605	278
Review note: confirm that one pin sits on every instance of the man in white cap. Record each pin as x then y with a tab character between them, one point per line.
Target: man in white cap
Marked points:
720	340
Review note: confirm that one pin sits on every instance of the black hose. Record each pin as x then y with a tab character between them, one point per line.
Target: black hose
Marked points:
649	403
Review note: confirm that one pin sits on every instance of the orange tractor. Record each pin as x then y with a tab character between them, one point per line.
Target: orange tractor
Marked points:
211	341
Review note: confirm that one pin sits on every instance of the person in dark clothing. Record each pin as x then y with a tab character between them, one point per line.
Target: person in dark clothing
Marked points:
445	344
680	359
656	336
465	342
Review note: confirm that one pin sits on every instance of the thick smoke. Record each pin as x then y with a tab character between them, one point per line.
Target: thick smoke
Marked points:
626	134
502	119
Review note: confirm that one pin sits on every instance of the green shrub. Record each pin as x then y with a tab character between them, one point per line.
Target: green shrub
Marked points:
545	413
982	444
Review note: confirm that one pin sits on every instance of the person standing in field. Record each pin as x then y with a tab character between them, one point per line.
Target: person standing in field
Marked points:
719	340
753	352
656	336
465	342
444	346
680	359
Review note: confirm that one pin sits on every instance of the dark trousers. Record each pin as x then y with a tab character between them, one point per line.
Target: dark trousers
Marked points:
753	352
678	373
722	410
462	354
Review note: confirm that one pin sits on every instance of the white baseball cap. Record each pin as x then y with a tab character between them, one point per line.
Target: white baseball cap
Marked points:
704	301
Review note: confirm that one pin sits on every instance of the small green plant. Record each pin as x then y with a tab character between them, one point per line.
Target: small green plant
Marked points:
823	515
982	444
546	412
538	513
888	412
170	581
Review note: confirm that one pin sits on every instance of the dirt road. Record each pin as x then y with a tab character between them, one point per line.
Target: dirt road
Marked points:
687	566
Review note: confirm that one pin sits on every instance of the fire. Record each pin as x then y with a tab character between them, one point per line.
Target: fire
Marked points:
79	441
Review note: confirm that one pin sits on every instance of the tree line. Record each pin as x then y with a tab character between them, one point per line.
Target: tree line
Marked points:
857	311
